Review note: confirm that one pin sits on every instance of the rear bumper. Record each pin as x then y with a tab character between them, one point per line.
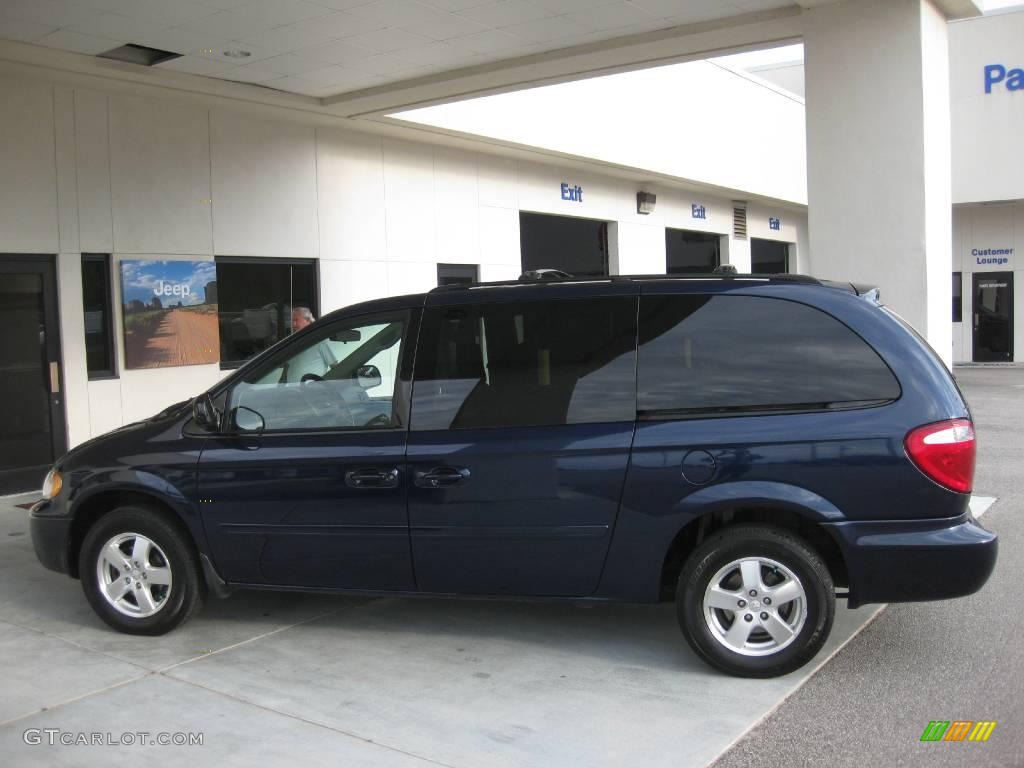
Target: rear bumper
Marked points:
49	528
907	561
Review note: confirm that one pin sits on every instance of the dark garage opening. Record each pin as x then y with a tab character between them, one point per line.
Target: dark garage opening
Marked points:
688	252
768	257
576	246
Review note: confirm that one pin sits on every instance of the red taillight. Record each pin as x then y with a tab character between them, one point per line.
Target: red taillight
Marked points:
945	452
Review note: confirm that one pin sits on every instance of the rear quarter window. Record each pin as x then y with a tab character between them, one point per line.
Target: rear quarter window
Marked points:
713	354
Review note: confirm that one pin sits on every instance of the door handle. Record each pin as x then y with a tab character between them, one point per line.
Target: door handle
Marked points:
54	377
372	478
440	477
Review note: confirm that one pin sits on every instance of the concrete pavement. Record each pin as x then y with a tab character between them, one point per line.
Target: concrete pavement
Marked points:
274	679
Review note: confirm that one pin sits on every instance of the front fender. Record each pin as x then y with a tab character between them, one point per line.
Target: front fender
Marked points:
174	491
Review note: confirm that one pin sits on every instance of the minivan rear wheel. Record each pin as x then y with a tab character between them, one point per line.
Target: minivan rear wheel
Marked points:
755	601
139	572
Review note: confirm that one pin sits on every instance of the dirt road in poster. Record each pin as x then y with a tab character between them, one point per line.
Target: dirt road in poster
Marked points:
177	336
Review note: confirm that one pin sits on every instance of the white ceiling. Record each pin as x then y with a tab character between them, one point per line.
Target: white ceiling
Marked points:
326	47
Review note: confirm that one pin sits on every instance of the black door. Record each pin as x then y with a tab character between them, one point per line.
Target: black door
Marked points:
768	257
32	418
692	253
576	246
993	316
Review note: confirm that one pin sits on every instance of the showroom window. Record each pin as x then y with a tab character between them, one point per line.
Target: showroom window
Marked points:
97	304
703	355
526	364
958	298
254	300
457	274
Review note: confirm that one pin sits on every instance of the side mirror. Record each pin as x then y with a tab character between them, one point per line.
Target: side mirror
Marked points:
368	376
246	420
204	413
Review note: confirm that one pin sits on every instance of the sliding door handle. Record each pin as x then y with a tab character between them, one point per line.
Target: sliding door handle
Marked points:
372	477
441	477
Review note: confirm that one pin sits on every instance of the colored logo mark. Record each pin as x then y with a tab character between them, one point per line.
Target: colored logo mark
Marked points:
958	730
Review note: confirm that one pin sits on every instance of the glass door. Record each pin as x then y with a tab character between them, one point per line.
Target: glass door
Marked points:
993	316
32	417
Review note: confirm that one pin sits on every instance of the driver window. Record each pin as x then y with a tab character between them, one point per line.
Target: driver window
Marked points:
341	376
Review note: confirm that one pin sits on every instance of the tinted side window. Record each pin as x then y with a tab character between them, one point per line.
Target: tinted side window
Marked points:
526	364
723	353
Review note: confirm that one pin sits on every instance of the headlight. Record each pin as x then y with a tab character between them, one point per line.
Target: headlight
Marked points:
52	484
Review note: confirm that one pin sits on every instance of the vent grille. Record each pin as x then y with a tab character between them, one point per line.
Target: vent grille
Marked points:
739	222
139	54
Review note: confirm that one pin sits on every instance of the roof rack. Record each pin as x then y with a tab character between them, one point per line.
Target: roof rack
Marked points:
548	277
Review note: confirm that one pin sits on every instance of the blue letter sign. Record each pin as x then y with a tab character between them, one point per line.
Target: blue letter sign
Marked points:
574	193
997	73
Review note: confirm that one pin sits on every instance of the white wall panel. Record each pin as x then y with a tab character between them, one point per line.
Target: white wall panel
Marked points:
641	249
348	282
497	182
92	156
264	187
988	163
499	237
67	174
491	272
456	207
410	277
28	175
350	196
409	201
72	347
105	412
160	177
147	391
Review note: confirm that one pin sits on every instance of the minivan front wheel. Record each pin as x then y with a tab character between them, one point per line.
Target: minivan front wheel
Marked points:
755	601
139	572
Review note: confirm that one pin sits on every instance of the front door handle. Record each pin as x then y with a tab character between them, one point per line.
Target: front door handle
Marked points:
372	477
440	477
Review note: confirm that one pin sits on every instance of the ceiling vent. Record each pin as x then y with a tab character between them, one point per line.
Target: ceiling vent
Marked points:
139	54
739	221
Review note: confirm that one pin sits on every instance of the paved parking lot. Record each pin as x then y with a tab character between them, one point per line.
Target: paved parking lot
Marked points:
278	679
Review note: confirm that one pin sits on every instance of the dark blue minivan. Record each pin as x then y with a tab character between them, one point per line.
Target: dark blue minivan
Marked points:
750	447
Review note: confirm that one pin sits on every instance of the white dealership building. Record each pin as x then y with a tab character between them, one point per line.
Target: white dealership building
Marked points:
356	153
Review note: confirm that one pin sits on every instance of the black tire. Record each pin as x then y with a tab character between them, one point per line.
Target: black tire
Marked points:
751	541
186	591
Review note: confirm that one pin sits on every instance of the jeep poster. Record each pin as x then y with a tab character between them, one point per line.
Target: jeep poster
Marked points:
170	313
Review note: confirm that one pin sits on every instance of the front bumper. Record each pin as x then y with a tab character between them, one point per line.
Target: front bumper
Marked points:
909	561
50	528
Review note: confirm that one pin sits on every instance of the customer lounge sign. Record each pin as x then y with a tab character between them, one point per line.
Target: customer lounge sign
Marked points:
170	313
991	258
